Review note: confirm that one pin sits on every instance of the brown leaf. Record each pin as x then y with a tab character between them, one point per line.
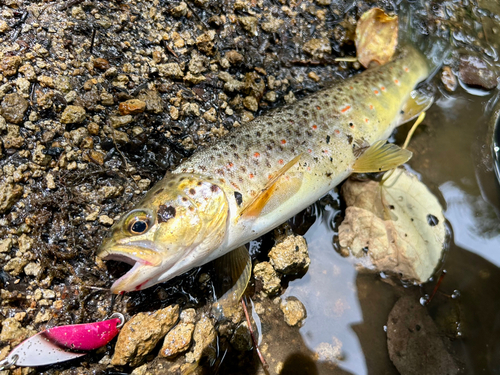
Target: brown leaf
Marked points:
376	37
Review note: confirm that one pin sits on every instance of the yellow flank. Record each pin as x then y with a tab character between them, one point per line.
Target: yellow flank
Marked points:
265	172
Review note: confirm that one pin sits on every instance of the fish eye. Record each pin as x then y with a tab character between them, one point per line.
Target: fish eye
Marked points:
139	226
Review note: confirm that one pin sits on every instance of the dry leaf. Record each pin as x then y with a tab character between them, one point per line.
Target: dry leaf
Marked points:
399	224
376	37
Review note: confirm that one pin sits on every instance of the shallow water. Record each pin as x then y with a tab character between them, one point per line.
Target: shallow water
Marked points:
348	309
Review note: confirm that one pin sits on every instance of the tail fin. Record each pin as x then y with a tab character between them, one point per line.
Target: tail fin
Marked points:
433	48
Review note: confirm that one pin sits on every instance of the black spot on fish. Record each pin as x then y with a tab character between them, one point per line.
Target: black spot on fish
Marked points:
402	112
328	174
349	138
432	220
165	213
238	197
392	207
159	191
192	191
214	188
327	139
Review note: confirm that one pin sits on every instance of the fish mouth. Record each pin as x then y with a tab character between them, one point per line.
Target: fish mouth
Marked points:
144	258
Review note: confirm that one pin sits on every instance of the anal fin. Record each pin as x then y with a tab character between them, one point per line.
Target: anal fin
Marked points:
381	156
273	189
233	272
416	104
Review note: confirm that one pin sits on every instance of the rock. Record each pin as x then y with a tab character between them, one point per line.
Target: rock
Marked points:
270	281
132	107
231	84
14	107
205	42
63	84
15	266
12	331
141	334
76	136
101	64
107	98
39	156
25	243
12	139
194	79
23	85
28	71
119	121
250	103
9	194
73	114
172	70
179	10
5	245
198	63
43	316
105	220
210	115
177	340
96	157
204	338
475	71
153	101
294	311
46	81
414	342
241	339
9	65
32	269
290	257
272	25
317	48
254	85
234	57
249	24
4	26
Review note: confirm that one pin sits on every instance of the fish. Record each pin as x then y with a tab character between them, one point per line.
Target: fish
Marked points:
266	171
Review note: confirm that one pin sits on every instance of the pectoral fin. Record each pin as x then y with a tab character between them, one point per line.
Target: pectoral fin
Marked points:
417	103
381	156
233	273
273	191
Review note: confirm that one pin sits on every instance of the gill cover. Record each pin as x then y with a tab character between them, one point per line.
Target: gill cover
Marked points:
181	220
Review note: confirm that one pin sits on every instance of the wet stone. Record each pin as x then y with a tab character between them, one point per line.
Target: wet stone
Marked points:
12	331
119	121
241	339
177	340
250	103
475	71
204	338
234	57
14	107
9	194
132	107
153	101
15	266
5	245
73	114
270	281
141	334
63	84
293	310
317	48
9	65
101	64
290	256
249	24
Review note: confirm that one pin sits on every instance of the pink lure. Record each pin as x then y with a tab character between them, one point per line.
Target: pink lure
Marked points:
59	344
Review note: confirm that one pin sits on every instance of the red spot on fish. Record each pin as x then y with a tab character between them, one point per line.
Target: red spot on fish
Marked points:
280	161
371	106
318	107
256	155
337	131
376	92
283	141
315	127
235	186
407	70
366	120
352	88
309	150
251	175
308	168
139	287
382	88
230	165
396	82
345	109
325	151
269	176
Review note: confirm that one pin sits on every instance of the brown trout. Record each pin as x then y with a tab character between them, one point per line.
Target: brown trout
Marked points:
265	172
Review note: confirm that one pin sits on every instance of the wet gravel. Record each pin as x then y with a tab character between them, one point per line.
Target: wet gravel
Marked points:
99	99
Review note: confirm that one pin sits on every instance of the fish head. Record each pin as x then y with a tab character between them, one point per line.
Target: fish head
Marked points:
174	228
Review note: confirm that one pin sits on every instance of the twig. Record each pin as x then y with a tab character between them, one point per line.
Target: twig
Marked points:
436	287
254	340
413	128
94	30
165	44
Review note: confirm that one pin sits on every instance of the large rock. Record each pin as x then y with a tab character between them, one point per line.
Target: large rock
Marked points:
14	106
141	334
9	194
290	256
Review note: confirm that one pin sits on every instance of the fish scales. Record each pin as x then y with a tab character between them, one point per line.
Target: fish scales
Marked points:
259	175
326	127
